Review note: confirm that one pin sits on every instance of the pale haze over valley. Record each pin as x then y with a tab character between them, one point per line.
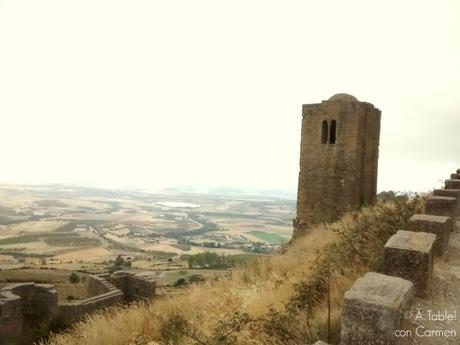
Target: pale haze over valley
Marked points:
209	93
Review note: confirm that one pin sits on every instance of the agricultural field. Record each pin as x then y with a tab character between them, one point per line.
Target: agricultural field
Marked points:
78	228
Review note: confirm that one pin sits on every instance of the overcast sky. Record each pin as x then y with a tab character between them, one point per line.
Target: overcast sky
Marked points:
160	93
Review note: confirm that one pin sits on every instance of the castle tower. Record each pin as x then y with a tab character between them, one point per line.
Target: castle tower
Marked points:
338	160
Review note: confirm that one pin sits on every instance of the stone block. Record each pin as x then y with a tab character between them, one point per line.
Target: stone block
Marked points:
452	184
409	255
453	193
442	206
454	176
372	309
438	225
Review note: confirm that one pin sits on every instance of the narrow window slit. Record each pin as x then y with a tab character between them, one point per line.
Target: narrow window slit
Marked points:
324	132
332	134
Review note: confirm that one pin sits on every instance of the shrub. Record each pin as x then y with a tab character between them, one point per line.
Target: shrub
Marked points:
74	278
180	282
196	278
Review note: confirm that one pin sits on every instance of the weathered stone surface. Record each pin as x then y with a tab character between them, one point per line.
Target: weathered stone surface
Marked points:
22	303
409	255
75	311
372	309
438	225
11	317
135	286
453	193
338	160
452	184
39	302
442	206
454	176
320	342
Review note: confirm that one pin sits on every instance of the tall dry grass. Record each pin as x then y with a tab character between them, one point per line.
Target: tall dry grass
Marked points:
291	298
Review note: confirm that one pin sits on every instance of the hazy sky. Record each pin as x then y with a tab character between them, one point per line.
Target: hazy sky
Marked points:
159	93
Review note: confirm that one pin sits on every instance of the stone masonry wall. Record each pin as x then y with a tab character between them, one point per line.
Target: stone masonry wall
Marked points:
71	312
11	318
336	177
29	304
25	305
134	286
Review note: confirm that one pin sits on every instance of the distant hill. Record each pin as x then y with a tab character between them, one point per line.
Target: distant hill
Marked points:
50	203
233	191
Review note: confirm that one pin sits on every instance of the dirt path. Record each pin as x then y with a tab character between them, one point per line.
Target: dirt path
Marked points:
443	297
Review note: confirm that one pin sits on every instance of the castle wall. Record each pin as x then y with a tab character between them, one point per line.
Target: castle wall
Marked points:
11	318
75	311
28	304
139	288
97	285
134	286
25	305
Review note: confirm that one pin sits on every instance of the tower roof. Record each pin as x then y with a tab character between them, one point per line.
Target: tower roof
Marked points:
343	97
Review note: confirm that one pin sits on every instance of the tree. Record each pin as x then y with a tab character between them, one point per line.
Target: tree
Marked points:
74	278
180	282
119	262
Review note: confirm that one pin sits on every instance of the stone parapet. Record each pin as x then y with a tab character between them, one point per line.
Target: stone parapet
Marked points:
453	193
409	255
452	184
372	309
438	225
442	206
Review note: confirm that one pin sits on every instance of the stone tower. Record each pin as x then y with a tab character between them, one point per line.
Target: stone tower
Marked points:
338	159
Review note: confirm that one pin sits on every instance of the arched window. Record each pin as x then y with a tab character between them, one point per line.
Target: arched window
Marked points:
324	132
332	134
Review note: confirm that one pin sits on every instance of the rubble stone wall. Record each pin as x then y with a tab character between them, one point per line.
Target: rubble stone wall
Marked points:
28	304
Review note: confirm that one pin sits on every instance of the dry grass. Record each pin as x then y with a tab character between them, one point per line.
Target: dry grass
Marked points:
275	300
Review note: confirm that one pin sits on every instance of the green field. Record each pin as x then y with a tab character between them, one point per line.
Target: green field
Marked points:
269	237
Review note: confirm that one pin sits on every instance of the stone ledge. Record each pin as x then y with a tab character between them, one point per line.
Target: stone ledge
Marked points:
453	193
421	242
442	206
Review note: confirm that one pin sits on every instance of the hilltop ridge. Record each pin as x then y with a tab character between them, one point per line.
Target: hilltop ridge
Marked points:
274	300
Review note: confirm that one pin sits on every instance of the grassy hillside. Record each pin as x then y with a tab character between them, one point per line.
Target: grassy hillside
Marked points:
275	300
